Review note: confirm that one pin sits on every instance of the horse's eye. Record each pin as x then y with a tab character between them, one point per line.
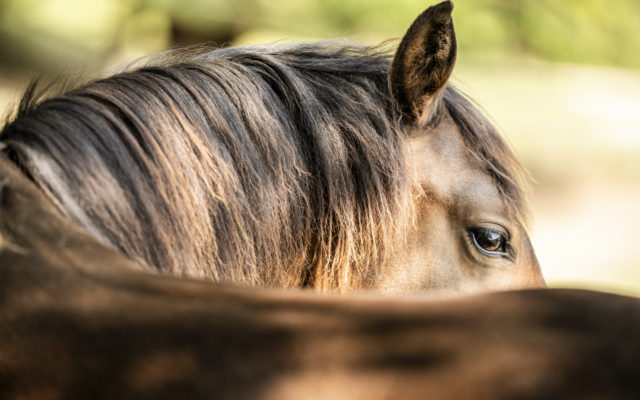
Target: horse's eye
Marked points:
490	241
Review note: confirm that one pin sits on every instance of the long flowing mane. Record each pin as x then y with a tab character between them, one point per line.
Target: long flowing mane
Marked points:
270	165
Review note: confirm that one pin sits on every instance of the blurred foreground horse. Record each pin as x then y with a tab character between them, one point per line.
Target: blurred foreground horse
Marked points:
284	167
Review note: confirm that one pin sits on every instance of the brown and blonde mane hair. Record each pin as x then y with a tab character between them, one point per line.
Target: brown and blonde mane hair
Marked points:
271	165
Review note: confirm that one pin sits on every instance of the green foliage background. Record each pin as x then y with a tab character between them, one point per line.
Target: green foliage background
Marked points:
56	33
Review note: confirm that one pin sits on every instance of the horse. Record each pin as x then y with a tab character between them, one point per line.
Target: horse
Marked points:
331	166
78	319
81	317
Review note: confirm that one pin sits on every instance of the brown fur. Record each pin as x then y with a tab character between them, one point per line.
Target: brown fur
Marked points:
246	166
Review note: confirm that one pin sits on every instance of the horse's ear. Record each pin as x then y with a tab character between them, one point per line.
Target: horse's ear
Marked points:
423	63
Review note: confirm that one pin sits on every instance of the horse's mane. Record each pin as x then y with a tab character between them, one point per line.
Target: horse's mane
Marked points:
271	165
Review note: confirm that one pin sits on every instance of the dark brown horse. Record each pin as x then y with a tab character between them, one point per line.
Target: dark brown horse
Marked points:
104	180
324	165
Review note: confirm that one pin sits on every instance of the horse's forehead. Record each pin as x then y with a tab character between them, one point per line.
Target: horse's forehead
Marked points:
449	173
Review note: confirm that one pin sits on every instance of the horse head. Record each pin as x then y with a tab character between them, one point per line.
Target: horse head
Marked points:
470	231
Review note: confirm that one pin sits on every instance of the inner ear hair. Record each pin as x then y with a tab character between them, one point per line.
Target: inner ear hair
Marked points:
423	64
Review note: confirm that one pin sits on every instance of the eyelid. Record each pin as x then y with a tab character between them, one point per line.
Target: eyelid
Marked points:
497	224
495	228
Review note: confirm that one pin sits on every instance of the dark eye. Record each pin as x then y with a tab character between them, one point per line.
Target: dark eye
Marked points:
490	241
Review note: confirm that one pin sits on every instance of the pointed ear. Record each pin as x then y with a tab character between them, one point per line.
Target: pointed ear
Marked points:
423	63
